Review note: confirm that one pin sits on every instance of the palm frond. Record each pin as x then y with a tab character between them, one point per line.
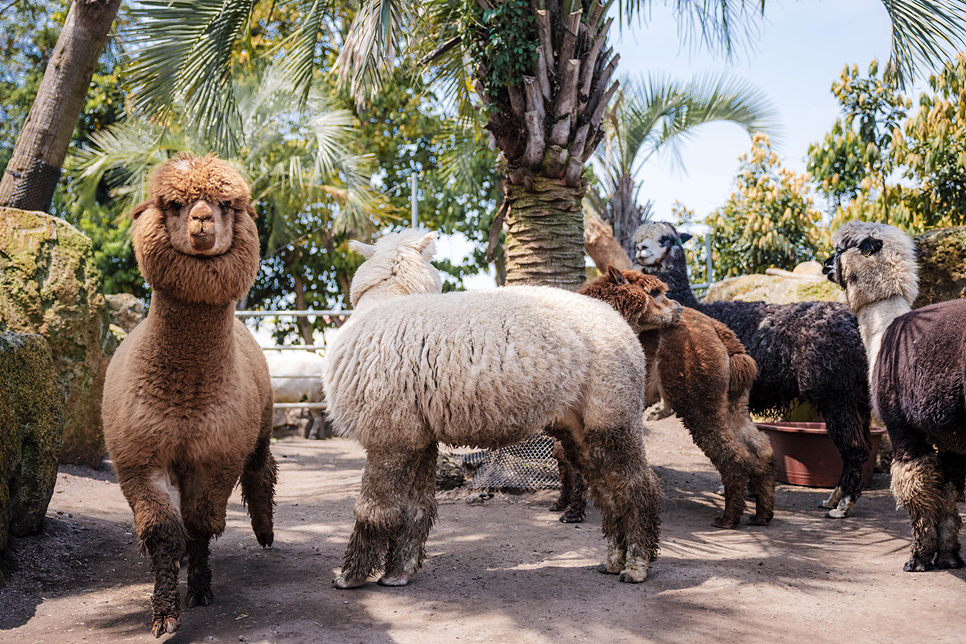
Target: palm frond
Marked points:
124	155
375	35
181	55
298	53
722	26
927	32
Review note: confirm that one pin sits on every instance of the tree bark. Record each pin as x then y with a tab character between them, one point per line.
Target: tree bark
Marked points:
603	247
547	126
545	234
34	169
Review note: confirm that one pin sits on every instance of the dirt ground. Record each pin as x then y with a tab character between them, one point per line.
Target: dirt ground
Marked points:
504	570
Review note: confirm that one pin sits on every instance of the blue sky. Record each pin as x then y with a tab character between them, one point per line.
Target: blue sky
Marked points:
800	53
801	50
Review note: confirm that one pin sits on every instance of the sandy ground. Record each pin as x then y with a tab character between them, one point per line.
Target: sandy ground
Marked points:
504	570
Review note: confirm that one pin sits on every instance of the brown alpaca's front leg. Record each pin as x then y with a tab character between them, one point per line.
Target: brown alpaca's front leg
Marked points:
199	572
155	500
204	502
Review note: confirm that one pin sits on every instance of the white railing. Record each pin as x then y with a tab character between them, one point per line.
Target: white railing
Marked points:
294	347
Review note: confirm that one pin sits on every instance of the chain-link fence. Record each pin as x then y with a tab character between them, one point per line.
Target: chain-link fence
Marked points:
525	466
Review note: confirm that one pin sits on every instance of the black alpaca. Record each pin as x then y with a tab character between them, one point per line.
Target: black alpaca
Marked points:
809	351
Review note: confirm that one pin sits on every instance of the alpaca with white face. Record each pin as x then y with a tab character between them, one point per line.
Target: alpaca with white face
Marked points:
806	351
918	381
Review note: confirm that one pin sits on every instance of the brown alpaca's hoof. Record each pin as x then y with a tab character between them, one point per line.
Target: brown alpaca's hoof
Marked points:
164	625
265	537
725	524
756	520
572	516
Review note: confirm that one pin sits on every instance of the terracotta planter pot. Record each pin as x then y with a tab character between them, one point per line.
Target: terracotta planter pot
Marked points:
806	455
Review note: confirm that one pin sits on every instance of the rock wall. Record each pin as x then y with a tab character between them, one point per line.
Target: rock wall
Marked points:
774	289
942	265
50	285
31	418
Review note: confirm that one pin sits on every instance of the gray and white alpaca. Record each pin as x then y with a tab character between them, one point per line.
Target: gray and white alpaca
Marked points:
413	367
809	351
917	375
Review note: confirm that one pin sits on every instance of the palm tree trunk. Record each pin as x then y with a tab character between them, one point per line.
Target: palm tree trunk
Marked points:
545	238
547	124
34	169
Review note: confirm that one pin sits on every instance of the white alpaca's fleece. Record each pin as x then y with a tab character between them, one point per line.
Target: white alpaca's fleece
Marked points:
483	368
480	368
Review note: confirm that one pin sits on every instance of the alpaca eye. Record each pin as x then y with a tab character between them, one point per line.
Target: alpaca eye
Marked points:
176	205
224	205
655	292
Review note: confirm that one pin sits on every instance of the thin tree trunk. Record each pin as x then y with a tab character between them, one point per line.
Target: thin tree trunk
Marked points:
303	324
603	247
34	169
544	243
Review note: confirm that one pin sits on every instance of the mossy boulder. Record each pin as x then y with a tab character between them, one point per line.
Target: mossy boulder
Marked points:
50	285
942	265
31	420
774	289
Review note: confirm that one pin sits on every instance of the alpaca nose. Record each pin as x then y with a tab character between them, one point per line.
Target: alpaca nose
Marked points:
200	212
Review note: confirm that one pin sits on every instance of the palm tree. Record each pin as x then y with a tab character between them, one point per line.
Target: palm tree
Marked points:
34	169
541	68
657	114
307	182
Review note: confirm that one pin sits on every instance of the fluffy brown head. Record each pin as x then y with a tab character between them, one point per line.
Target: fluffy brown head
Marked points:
873	262
641	299
195	239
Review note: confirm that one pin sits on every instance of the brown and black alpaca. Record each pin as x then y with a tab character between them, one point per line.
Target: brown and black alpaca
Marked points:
703	373
917	380
188	400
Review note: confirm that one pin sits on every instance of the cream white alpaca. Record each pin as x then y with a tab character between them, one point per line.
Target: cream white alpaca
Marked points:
413	367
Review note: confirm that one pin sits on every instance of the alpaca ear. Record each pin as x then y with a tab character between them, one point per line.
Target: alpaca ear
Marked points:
870	246
684	237
366	250
140	208
615	275
250	209
426	246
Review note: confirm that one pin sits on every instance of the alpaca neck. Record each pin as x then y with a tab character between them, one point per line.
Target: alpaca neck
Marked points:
199	335
874	319
673	271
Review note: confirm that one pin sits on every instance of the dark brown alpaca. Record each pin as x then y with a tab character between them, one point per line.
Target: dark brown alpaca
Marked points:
187	400
701	369
917	377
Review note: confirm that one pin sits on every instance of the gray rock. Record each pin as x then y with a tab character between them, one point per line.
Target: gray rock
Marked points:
50	285
31	421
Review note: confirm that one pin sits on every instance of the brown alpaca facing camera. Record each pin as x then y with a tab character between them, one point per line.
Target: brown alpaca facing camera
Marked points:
701	369
187	399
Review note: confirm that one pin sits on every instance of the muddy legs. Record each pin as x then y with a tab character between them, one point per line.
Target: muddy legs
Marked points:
394	513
